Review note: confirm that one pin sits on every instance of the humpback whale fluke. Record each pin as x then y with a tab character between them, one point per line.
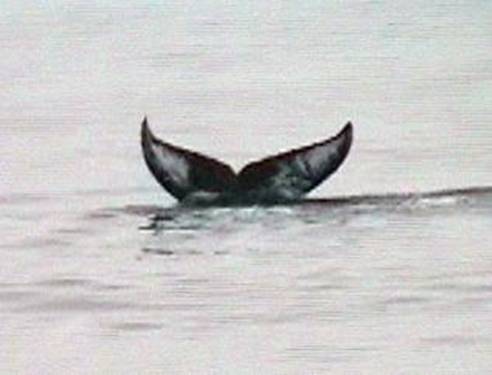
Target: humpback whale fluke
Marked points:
183	172
196	178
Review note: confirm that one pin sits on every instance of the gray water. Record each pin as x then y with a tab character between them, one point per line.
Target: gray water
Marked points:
102	273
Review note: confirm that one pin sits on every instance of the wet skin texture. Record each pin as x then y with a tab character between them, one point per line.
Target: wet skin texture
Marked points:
197	179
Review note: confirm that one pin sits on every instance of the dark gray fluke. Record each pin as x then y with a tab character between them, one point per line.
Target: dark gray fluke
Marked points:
195	178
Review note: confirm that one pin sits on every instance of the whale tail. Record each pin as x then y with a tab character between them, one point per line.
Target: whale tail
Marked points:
190	176
183	172
290	175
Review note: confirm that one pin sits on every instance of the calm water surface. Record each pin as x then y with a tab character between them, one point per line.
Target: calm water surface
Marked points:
102	272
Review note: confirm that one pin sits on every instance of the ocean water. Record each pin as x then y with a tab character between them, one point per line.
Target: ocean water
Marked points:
385	269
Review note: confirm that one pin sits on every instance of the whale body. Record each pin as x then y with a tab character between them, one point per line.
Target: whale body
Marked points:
194	178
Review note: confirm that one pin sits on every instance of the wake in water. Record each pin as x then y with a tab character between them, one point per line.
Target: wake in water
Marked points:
317	209
449	196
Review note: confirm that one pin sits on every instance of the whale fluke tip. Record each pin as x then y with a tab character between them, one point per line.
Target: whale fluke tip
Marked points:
347	132
145	132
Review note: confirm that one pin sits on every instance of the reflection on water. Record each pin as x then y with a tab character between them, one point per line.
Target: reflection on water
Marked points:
325	284
358	273
103	273
330	211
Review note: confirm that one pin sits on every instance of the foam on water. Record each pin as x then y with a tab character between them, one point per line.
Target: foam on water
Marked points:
186	218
